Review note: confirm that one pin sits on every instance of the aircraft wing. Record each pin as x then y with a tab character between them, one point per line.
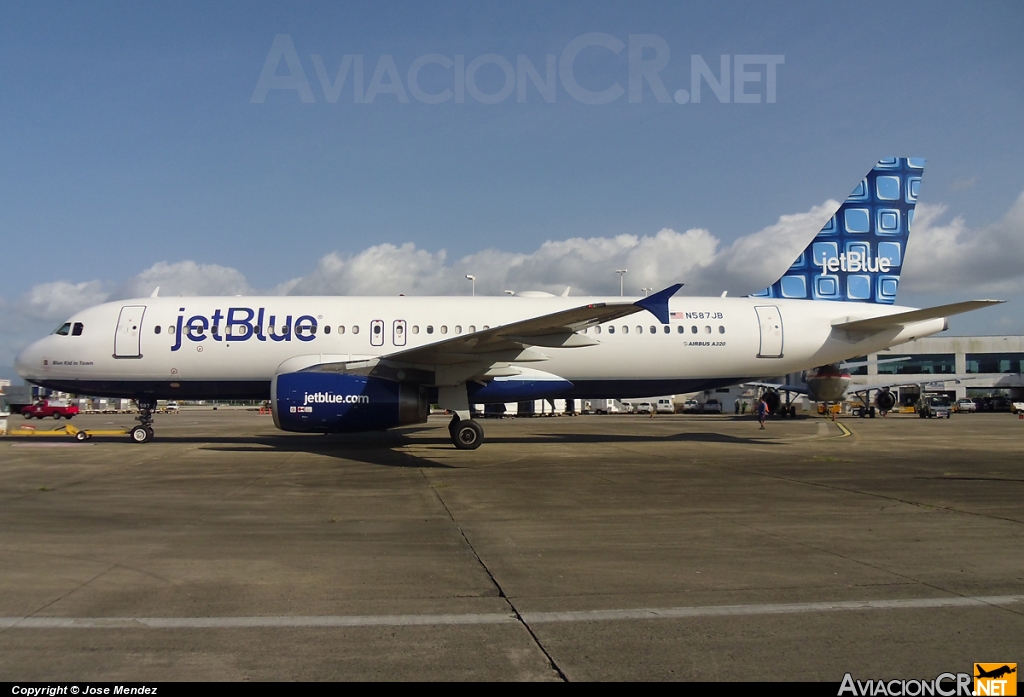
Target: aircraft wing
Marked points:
855	388
877	324
795	389
515	341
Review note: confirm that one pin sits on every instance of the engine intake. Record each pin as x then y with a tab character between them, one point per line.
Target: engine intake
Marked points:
885	400
312	402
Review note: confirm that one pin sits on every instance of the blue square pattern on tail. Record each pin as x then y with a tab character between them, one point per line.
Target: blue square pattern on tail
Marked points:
858	255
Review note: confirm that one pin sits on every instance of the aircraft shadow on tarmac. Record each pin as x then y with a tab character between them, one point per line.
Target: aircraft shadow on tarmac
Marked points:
387	448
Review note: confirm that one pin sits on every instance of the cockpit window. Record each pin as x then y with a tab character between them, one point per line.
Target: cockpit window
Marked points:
63	329
77	329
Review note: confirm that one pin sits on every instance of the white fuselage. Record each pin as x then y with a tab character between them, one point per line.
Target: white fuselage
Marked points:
146	346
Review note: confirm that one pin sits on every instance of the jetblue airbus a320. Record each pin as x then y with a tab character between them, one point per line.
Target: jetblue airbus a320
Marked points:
343	364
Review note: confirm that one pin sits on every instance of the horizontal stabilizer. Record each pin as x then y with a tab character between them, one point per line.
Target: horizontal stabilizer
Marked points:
877	324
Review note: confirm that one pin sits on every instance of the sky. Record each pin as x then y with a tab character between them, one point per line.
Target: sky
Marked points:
386	147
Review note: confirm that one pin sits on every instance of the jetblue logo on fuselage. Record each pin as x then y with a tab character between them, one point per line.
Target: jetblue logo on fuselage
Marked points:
854	262
329	398
242	324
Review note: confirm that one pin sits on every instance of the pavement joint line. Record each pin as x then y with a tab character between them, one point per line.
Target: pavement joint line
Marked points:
327	621
516	615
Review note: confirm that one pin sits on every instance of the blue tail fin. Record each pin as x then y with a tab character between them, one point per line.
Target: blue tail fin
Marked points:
858	255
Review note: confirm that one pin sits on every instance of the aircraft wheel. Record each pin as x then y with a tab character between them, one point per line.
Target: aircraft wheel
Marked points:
82	436
468	435
140	434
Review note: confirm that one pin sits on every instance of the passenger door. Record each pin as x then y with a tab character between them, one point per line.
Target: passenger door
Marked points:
770	321
128	337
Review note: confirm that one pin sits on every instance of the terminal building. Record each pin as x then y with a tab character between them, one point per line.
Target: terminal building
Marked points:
992	366
984	368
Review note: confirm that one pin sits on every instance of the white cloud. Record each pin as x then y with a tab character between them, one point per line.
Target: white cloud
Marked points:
56	300
184	278
951	255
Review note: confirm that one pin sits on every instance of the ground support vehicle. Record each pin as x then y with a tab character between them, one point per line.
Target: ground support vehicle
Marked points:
68	430
44	409
929	407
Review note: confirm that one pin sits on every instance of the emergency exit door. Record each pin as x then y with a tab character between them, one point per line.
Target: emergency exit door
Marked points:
398	336
770	320
128	337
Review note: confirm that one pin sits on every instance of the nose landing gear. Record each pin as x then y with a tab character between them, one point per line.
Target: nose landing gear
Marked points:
143	433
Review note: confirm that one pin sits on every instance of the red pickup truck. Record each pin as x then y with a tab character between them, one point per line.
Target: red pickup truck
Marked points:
44	408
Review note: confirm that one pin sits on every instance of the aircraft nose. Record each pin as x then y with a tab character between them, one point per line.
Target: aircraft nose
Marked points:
26	362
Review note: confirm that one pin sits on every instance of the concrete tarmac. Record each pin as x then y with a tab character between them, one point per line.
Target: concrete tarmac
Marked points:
570	548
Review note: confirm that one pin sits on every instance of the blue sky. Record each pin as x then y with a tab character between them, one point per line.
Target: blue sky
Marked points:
130	139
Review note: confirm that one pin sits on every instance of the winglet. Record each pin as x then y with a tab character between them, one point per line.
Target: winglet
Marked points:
657	304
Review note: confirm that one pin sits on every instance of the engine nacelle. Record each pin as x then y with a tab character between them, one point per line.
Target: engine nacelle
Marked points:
885	400
773	400
313	402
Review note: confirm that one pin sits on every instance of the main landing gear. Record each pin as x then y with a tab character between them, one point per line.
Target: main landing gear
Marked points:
143	433
466	434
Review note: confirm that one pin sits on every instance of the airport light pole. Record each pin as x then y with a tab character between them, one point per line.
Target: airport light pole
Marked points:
646	291
621	272
472	279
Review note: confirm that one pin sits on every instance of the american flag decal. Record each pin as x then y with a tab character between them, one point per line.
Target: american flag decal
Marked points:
676	315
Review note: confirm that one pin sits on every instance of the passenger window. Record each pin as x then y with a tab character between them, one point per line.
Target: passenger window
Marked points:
625	329
63	329
377	329
471	329
486	327
215	329
170	329
721	329
355	328
444	328
458	328
597	329
611	329
415	329
707	330
430	329
341	328
156	330
668	329
682	329
693	329
77	329
327	329
639	329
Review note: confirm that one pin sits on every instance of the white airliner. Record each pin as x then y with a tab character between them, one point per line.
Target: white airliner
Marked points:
831	383
342	364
